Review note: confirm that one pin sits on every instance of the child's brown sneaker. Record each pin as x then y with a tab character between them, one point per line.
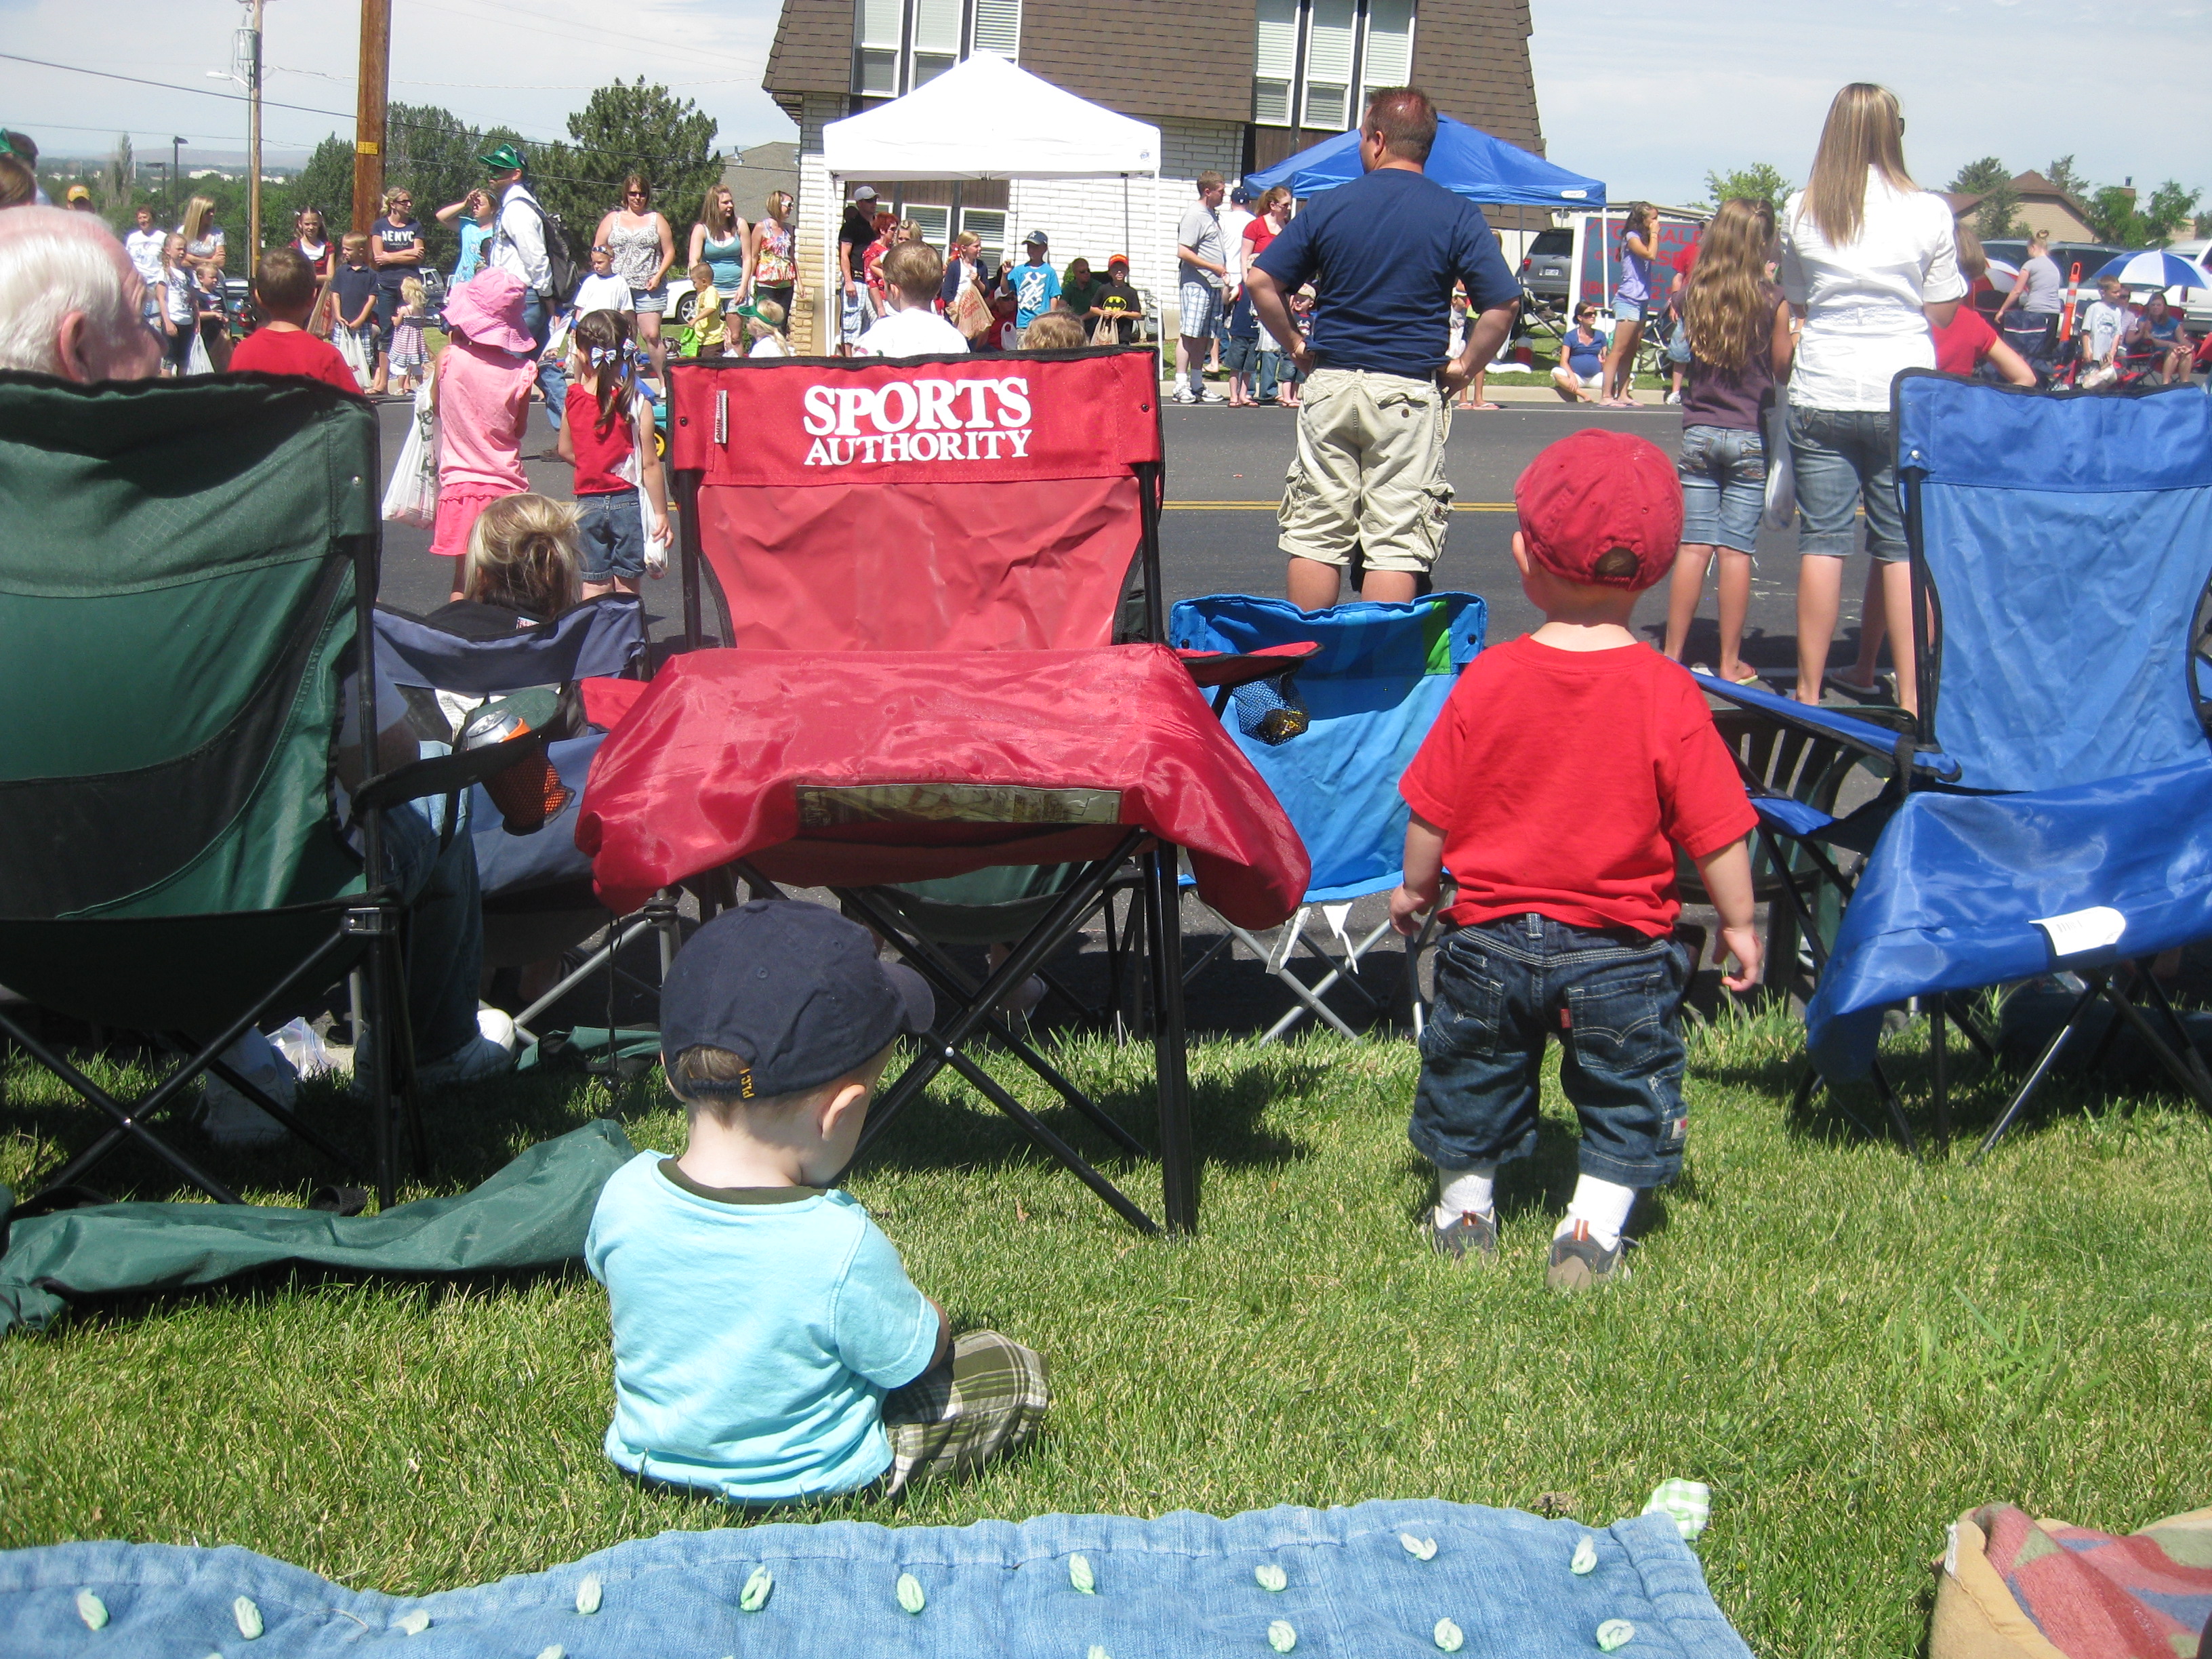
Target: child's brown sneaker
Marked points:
1579	1261
1469	1234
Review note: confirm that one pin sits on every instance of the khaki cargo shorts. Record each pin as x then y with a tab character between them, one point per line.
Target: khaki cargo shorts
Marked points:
1369	474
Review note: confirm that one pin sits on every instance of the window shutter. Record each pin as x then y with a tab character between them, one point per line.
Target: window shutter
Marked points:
1328	62
937	26
1275	61
998	29
1389	58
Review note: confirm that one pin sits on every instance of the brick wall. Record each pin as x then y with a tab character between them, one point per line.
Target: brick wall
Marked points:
1471	57
1147	58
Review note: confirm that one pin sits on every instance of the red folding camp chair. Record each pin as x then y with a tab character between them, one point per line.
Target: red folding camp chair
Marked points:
939	579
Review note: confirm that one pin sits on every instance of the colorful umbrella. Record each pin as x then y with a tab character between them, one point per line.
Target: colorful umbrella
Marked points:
2155	268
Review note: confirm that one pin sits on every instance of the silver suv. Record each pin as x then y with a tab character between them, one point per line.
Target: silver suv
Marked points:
1546	273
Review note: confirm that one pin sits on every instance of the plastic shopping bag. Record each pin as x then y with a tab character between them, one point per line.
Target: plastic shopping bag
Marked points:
640	457
412	495
356	356
1781	472
196	360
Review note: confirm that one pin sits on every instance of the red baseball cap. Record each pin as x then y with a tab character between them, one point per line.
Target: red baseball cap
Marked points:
1590	494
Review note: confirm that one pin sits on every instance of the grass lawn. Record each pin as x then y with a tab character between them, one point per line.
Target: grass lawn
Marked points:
1849	1347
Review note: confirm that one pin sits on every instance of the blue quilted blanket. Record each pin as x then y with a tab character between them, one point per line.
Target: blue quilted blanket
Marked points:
1378	1579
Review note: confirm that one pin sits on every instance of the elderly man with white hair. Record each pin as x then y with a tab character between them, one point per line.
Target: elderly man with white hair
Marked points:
70	300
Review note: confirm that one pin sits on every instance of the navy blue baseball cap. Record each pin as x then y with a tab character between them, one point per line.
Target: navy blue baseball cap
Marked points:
793	990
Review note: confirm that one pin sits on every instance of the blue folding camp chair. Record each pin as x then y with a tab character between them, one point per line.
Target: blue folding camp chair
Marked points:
2046	807
537	885
1369	695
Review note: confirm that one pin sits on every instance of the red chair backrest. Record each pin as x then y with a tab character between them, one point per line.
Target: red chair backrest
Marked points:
933	504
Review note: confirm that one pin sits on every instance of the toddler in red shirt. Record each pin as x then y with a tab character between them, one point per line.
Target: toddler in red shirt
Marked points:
1563	773
285	287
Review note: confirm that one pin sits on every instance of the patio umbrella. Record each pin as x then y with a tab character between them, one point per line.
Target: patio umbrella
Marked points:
2001	272
2155	268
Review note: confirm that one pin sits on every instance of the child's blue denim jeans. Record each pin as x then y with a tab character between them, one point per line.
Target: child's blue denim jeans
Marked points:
1612	997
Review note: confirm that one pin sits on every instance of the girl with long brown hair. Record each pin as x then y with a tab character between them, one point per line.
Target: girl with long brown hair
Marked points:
718	241
1639	244
1869	261
1740	346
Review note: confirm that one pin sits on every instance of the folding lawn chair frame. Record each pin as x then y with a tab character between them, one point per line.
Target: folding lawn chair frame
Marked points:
1063	559
2117	480
526	878
191	567
1369	684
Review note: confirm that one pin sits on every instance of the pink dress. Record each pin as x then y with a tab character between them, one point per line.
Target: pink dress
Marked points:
484	405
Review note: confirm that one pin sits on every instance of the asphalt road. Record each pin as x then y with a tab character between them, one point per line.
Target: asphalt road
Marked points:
1224	476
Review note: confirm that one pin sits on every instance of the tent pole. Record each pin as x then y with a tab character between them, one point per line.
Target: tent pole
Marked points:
832	308
1125	241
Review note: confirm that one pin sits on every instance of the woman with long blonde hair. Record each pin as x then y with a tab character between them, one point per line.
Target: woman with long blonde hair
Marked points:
203	243
1740	347
771	266
1869	261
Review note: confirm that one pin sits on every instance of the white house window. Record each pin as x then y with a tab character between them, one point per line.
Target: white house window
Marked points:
900	45
1315	62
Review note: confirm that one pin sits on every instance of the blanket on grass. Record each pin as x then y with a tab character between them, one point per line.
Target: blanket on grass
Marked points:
2015	1587
1378	1579
532	1214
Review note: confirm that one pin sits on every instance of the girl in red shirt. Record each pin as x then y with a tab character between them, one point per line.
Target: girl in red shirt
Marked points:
1970	342
605	433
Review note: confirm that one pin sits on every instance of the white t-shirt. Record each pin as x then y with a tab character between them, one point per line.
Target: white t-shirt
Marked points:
518	240
144	247
770	345
916	333
598	293
1863	320
2102	325
1233	221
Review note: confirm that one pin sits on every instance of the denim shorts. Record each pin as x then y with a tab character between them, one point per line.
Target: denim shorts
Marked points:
1678	342
1626	310
1612	997
611	532
1724	486
1239	352
1842	456
653	300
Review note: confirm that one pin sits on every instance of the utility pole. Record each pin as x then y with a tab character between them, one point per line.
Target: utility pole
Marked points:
368	116
176	145
254	144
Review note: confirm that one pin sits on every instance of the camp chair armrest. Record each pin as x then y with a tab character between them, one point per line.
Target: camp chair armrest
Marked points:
1213	669
1865	735
447	775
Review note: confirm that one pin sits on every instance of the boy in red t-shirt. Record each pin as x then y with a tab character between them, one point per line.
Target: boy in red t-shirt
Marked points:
285	288
1555	786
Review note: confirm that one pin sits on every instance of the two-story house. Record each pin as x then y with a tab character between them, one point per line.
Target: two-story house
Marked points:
1233	85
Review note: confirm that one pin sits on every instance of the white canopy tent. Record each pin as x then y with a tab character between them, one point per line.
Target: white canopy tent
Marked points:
985	118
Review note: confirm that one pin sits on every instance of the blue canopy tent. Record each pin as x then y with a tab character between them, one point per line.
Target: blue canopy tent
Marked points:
1466	158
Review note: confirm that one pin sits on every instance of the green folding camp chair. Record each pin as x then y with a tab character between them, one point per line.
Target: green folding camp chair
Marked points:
184	583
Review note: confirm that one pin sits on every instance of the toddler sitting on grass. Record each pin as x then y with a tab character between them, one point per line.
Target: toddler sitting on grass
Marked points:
1563	773
769	1346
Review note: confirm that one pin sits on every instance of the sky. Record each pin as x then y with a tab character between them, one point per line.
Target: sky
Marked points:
1646	95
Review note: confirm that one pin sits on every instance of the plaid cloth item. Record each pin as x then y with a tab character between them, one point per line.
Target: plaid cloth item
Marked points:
1688	1504
988	1396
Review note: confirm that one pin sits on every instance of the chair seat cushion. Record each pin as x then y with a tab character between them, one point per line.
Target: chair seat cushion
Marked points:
863	767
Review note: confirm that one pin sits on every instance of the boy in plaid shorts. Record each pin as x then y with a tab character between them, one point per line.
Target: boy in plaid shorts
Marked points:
769	1346
1565	770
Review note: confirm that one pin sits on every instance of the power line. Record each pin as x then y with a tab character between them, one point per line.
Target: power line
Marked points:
627	37
171	86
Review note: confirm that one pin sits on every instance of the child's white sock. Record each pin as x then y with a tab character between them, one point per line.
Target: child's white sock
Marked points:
1603	1204
1464	1191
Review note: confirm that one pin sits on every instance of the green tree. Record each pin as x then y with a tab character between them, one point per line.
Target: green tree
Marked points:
325	183
2061	172
115	184
629	127
432	153
1998	213
2170	210
1760	182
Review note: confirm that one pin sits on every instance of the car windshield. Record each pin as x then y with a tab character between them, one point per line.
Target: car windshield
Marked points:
1553	242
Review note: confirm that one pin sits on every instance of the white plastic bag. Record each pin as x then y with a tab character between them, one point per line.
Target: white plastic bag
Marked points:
642	456
231	1119
356	354
412	496
196	360
1781	472
303	1046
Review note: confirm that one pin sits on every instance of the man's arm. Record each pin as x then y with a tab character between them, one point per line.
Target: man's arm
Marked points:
1483	340
1271	305
1192	256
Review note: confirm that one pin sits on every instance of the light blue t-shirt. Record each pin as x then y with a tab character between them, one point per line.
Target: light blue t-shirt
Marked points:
1036	287
754	1339
475	238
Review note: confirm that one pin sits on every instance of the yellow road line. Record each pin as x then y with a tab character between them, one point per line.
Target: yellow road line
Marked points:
1270	506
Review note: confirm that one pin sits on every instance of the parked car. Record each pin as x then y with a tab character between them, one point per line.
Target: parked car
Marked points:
2091	256
1546	269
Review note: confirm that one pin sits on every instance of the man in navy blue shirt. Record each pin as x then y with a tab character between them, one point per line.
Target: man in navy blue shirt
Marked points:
1383	253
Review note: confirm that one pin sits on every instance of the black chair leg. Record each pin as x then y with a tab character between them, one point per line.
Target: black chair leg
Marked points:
1939	1055
1178	1160
2042	1066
